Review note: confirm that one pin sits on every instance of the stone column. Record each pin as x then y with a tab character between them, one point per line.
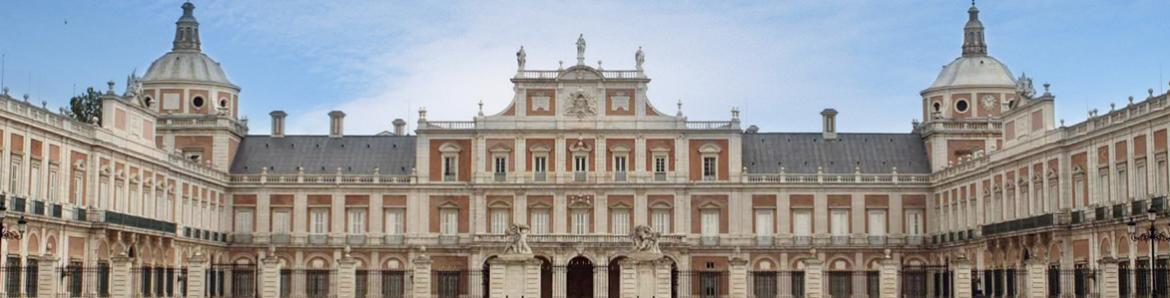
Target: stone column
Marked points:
1036	286
737	277
647	275
1109	278
559	281
814	278
47	276
270	277
421	286
889	278
346	277
600	281
961	278
196	277
120	278
514	275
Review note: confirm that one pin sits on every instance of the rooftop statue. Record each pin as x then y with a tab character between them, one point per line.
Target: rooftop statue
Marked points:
521	58
581	49
639	58
1024	87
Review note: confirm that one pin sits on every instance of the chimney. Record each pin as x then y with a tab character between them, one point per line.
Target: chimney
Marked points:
335	121
829	125
399	127
277	123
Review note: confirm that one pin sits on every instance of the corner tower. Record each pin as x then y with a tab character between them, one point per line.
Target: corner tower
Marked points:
198	106
961	110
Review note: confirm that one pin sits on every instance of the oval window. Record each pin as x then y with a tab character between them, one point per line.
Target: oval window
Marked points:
961	106
148	101
937	106
223	102
197	102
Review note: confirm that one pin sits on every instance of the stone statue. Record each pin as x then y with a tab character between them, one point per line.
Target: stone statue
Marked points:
133	85
1024	86
518	234
645	239
521	58
581	49
639	58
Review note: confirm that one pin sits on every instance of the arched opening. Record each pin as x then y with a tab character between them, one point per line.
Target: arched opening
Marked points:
486	275
545	277
673	279
579	278
615	276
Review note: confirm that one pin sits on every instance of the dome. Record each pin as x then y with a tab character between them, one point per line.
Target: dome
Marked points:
187	66
974	71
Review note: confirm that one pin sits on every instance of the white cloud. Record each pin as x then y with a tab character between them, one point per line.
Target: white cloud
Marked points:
781	63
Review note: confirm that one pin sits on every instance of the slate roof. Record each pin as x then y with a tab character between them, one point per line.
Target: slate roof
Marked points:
765	153
392	155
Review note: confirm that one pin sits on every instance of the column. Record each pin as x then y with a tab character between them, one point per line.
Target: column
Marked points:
196	276
961	278
600	281
559	280
421	285
888	286
737	275
120	275
270	277
1109	278
814	278
346	274
1036	285
497	273
46	276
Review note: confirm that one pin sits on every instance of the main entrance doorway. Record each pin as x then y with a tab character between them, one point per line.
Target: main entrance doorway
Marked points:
579	278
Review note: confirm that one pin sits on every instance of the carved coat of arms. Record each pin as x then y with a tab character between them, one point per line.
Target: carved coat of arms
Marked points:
581	105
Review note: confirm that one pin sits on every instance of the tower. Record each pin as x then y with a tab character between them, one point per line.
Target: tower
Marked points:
961	110
198	106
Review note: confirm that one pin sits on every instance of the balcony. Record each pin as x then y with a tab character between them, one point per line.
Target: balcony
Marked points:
355	239
560	239
765	240
280	238
540	176
139	222
710	178
1035	222
394	240
709	240
580	176
448	239
619	176
659	176
839	240
802	240
242	238
319	239
500	176
914	240
876	240
450	178
1119	211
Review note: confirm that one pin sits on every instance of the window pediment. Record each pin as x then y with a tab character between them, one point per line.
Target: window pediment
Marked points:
539	148
500	148
710	148
660	205
660	149
450	148
619	149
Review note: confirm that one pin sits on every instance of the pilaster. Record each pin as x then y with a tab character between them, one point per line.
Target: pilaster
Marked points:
1109	278
346	277
888	287
737	273
270	277
421	286
814	278
1036	285
46	277
961	275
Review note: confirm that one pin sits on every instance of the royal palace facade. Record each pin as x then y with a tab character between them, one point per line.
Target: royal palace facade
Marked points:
168	195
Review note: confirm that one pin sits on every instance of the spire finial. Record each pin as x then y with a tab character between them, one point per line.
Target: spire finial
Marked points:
187	30
973	43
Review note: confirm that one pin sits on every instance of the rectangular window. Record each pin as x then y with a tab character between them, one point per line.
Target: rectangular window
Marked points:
281	221
839	222
1139	183
500	220
104	194
540	164
1160	183
501	165
765	222
619	164
580	221
1122	184
709	221
877	222
244	221
1078	190
78	187
394	219
659	164
802	222
540	222
620	221
319	220
914	224
133	201
14	178
660	220
1103	191
357	221
51	194
580	163
119	197
449	221
450	168
709	168
34	189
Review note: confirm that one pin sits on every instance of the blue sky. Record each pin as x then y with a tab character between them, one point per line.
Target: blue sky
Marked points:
781	62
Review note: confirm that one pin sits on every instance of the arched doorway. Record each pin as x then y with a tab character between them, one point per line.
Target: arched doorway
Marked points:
485	275
546	280
615	276
579	278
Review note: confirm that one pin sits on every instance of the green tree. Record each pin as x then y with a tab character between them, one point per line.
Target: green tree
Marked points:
86	106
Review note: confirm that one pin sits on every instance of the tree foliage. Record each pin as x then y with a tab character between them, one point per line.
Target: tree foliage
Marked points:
86	106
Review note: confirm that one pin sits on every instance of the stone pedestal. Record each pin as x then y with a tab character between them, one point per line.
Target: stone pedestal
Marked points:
1036	286
196	277
737	275
814	281
270	277
47	277
421	287
888	287
120	277
646	275
346	277
961	278
1108	278
514	276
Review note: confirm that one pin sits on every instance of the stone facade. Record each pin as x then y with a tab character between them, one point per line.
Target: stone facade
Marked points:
987	194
